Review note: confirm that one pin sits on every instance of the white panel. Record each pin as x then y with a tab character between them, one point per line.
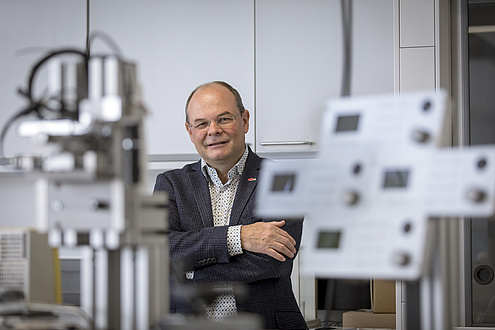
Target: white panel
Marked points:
417	69
417	23
411	120
17	196
178	45
299	64
308	296
28	30
384	245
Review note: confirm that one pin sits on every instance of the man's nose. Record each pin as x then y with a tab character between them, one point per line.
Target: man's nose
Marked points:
214	128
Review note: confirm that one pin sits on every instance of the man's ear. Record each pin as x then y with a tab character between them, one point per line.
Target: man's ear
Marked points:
245	119
188	129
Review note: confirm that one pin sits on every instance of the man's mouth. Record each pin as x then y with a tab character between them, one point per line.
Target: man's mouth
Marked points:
216	144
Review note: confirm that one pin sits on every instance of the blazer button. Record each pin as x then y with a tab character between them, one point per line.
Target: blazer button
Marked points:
214	260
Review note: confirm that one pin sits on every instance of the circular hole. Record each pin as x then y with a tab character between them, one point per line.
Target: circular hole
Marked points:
407	227
357	168
427	105
481	163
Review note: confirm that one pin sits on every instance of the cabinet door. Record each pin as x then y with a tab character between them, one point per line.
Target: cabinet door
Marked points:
29	30
417	23
417	68
177	46
299	65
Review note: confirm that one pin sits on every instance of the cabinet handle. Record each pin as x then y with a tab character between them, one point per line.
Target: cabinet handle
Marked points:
481	29
287	143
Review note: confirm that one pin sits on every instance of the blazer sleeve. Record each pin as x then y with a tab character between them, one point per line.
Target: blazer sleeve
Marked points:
191	243
249	266
201	247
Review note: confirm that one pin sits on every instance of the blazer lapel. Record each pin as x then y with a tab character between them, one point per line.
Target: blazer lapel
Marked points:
247	185
201	195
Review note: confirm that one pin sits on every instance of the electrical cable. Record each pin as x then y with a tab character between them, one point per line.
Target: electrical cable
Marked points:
34	105
117	52
36	67
88	20
10	121
108	40
346	8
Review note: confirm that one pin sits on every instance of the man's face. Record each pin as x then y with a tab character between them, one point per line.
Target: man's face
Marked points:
221	146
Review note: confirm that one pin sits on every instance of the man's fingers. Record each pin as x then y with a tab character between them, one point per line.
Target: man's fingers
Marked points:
286	235
268	238
287	250
274	254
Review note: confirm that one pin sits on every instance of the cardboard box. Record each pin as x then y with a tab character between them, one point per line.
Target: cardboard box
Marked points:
368	319
382	296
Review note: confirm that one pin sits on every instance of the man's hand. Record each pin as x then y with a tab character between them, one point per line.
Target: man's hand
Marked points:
268	238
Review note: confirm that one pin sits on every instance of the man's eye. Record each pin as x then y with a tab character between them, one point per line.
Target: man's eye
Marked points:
201	125
225	120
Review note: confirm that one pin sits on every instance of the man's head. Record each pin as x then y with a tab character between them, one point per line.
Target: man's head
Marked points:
217	123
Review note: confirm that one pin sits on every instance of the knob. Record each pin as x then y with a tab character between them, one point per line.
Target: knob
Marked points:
402	259
351	197
476	195
483	274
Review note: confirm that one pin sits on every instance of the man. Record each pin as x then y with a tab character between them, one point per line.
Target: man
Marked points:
213	232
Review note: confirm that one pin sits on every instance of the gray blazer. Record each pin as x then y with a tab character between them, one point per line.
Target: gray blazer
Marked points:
198	245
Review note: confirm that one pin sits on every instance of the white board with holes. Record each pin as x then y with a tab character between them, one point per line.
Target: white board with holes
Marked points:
379	178
383	123
381	244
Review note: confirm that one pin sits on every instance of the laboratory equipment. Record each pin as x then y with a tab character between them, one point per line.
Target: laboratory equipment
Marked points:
27	266
381	175
88	170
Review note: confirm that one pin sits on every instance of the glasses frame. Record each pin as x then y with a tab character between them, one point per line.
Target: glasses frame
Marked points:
208	122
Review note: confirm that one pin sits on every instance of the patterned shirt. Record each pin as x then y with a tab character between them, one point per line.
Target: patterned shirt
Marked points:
222	200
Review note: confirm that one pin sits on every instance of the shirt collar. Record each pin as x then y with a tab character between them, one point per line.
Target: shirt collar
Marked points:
236	171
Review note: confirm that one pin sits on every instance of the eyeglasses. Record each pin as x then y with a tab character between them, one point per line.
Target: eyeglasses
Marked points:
223	121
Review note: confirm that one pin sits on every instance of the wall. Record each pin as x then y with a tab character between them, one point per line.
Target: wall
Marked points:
284	56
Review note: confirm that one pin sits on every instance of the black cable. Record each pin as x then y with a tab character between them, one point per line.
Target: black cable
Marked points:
10	121
346	7
117	52
108	40
36	67
34	105
88	13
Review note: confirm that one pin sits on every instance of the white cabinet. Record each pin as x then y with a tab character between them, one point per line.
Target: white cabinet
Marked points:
417	23
299	65
417	45
284	57
177	46
28	30
417	68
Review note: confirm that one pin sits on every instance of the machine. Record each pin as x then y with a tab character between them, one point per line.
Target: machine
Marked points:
88	170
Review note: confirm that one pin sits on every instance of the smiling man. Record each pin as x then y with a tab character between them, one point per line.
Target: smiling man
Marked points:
213	231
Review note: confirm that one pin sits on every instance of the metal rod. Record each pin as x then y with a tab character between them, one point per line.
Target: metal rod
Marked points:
287	143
